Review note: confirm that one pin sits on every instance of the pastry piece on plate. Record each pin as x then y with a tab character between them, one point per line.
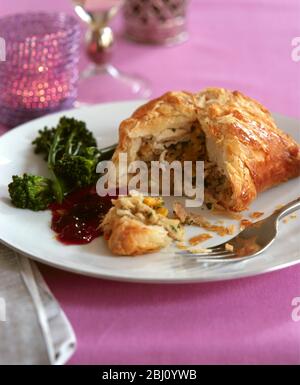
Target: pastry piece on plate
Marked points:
243	149
139	225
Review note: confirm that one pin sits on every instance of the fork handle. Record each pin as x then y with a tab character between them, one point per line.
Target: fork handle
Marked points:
288	208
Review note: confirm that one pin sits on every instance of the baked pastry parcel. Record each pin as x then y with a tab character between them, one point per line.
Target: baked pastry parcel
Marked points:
243	149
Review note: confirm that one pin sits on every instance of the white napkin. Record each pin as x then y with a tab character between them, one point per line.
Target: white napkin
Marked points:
33	327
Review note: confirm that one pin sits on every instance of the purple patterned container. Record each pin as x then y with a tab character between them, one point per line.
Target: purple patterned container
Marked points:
40	73
156	21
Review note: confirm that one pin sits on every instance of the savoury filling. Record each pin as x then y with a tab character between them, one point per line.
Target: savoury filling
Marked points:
190	146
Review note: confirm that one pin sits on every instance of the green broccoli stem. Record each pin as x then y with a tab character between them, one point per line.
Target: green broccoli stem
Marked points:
58	185
69	146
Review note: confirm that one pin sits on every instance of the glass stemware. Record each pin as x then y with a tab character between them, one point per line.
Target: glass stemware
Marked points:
101	81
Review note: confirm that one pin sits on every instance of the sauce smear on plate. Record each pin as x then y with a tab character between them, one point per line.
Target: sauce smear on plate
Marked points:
76	220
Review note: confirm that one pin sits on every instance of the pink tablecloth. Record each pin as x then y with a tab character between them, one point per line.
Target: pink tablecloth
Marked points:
245	45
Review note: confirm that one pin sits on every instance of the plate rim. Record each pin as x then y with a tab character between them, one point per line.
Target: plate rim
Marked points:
146	280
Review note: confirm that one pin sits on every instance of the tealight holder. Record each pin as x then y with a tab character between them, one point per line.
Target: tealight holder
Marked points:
156	21
40	73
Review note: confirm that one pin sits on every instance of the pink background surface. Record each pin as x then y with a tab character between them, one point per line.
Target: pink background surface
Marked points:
239	44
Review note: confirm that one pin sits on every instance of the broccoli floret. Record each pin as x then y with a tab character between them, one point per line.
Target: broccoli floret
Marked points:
44	141
70	134
79	170
31	192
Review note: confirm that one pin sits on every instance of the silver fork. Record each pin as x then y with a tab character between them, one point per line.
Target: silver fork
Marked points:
250	242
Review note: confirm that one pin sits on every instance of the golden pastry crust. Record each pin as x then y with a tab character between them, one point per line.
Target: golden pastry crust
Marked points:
171	110
132	237
243	139
135	225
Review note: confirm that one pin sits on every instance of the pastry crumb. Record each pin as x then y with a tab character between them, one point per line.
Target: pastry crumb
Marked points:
198	220
181	246
199	238
256	214
228	247
199	251
231	229
245	223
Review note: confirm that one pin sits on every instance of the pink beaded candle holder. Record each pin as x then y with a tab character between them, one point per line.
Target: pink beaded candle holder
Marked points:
40	73
156	21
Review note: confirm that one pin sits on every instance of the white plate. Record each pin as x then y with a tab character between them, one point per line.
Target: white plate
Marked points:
30	233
